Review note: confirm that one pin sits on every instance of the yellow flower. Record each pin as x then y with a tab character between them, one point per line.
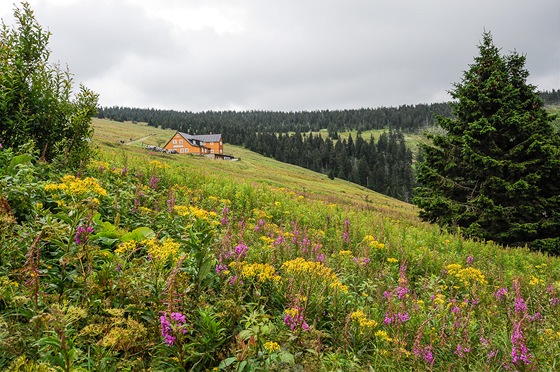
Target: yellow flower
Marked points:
535	281
392	260
161	250
314	271
71	185
371	242
345	253
262	272
467	276
125	247
362	319
271	346
383	336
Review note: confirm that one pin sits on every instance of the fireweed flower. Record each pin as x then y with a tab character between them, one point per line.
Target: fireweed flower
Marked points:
225	212
293	318
346	234
500	293
519	352
169	329
82	234
241	250
461	351
425	353
154	181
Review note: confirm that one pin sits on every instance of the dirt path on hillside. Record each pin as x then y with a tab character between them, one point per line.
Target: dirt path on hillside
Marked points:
139	140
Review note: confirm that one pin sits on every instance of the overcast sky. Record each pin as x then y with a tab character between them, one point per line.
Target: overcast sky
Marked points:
289	55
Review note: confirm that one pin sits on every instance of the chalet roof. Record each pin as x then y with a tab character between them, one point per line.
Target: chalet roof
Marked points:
202	137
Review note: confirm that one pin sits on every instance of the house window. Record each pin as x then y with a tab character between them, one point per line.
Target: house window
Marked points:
174	142
181	142
211	151
221	151
187	149
182	150
211	143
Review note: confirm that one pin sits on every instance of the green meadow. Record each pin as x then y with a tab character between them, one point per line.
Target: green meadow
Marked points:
157	262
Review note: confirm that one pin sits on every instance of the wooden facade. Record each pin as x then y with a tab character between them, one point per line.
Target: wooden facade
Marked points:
205	144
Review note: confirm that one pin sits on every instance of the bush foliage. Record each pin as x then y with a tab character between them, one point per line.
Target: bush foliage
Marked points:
36	99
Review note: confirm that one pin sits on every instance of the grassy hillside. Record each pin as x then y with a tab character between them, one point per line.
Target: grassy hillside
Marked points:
252	168
145	261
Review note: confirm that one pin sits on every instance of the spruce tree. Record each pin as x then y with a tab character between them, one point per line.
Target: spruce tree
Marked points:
494	172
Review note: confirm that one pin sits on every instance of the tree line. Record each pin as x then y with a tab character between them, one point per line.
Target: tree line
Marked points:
407	118
384	165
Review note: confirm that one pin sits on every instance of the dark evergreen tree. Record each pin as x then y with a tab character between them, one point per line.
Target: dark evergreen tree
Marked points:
495	172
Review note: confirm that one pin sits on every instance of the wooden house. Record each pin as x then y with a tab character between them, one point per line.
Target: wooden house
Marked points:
205	144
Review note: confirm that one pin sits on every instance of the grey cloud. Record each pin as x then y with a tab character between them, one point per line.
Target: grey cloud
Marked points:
295	55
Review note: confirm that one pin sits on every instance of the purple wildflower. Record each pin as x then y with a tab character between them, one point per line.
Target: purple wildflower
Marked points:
82	234
166	330
388	319
535	317
296	320
461	351
500	293
154	181
221	267
225	212
403	317
425	353
519	352
520	305
241	250
346	235
470	260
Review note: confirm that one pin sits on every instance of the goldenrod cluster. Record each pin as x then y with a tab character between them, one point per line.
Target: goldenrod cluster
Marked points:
191	210
161	250
372	242
316	271
271	346
467	276
98	164
536	281
362	319
76	186
125	247
383	336
551	335
159	165
266	240
262	272
345	253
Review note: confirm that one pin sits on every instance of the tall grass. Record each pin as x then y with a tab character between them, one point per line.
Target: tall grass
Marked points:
144	261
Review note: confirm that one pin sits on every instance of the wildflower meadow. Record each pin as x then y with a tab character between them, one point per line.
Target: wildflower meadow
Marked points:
138	263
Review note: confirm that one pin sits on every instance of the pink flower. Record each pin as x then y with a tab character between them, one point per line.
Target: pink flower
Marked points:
241	250
500	293
82	234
